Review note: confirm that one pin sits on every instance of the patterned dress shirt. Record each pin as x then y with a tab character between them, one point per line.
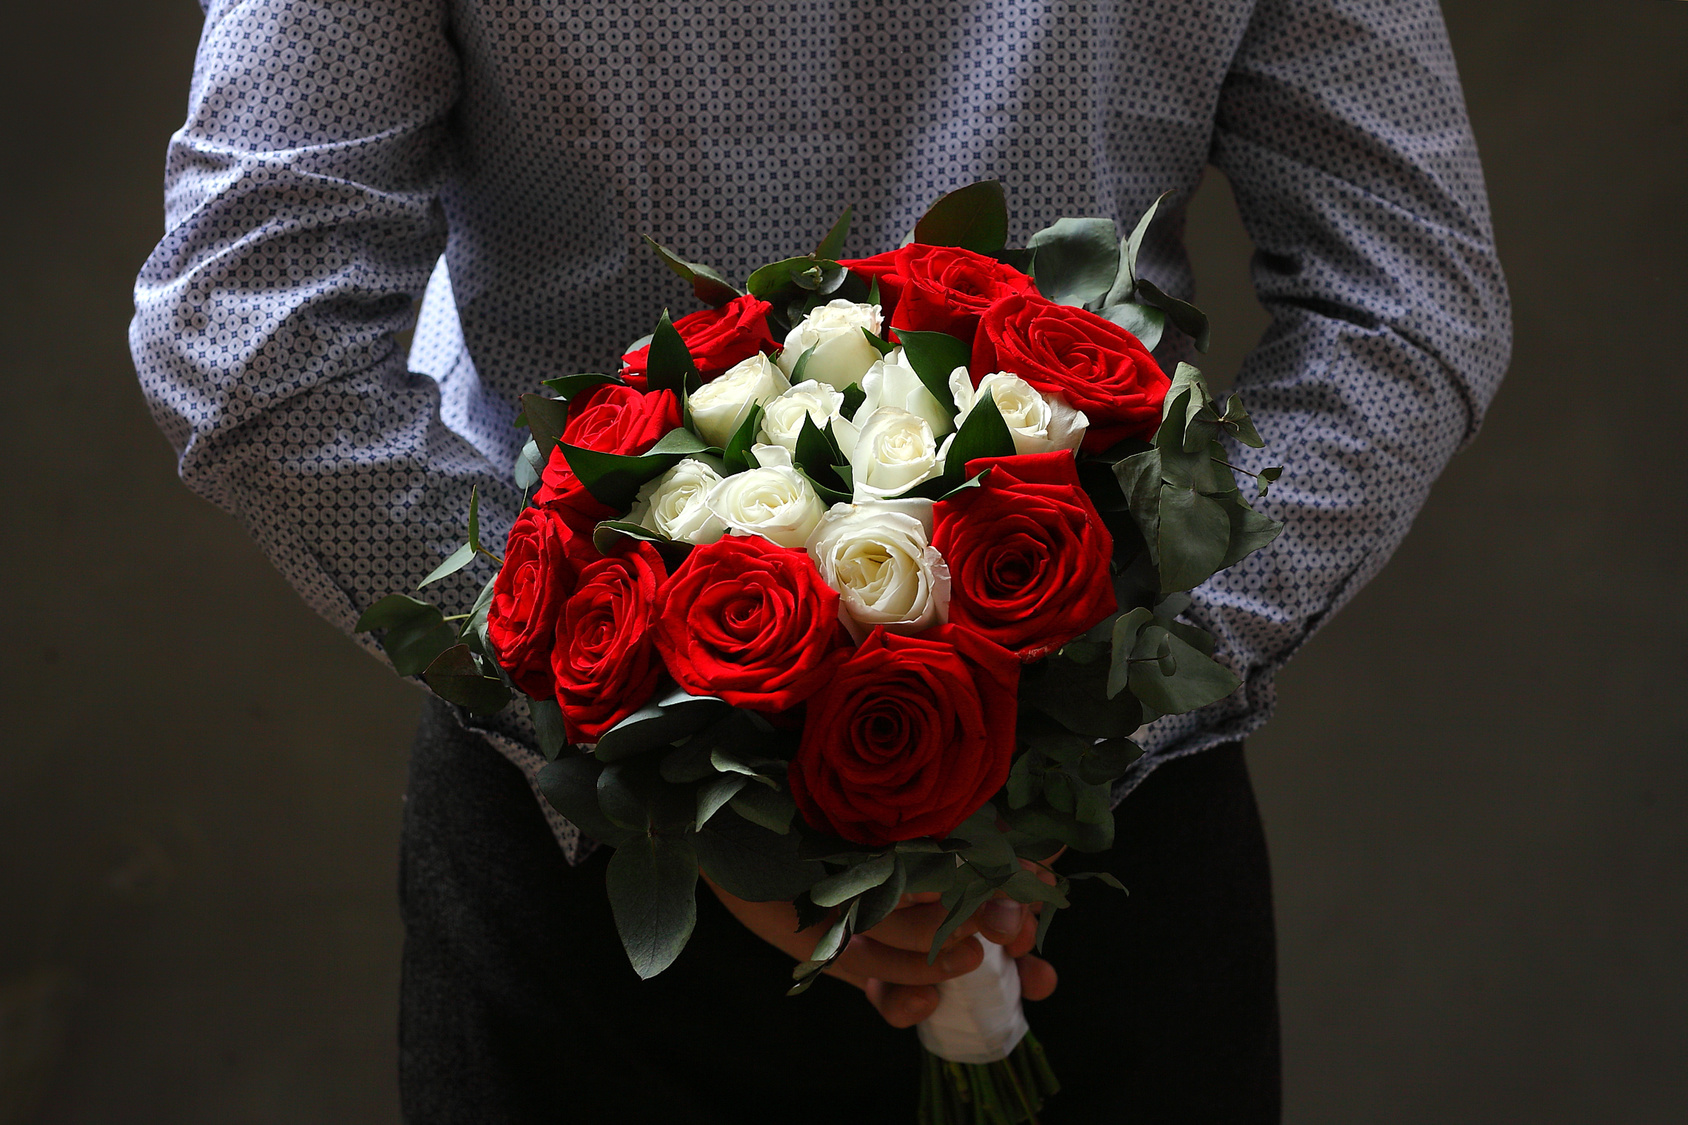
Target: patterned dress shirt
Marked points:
341	158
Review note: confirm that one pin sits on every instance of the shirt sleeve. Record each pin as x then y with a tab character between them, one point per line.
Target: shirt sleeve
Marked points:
302	223
1343	132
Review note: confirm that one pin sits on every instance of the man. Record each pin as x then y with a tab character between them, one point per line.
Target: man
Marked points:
335	150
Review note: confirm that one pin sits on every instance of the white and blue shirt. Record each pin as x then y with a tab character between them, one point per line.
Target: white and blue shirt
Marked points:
336	151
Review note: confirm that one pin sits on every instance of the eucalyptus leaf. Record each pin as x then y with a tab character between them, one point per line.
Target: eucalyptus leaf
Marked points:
852	881
1126	630
669	716
455	677
652	883
713	794
570	785
1077	260
529	469
753	863
974	217
1197	681
1145	322
1125	284
548	726
1194	535
877	903
964	899
416	632
1184	316
455	562
773	809
1075	696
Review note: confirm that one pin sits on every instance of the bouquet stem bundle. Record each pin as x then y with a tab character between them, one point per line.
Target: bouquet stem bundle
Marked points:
1006	1092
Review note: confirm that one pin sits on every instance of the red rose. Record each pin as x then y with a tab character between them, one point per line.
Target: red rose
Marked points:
1096	365
909	737
717	339
612	418
940	288
750	622
609	418
542	558
605	664
1028	553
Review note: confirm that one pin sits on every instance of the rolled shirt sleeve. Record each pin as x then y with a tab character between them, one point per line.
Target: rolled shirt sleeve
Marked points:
1342	130
302	223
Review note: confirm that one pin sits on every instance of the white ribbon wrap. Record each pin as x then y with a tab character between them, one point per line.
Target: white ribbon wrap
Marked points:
978	1019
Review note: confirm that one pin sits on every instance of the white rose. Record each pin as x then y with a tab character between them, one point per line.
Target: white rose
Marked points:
673	504
720	407
1040	423
783	419
776	501
894	451
892	382
842	354
878	555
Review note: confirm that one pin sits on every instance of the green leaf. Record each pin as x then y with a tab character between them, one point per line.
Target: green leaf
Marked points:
933	355
455	677
652	883
632	794
1076	260
1236	419
1142	321
877	903
1184	316
776	279
615	479
606	535
416	632
1194	534
974	217
1125	283
569	387
1266	478
1101	877
800	368
773	809
1040	822
455	562
546	418
852	881
754	863
1250	530
715	793
668	717
1094	805
737	455
726	758
548	726
983	434
711	288
1197	681
1025	780
1107	761
880	344
986	845
833	244
963	899
669	366
1126	629
854	396
529	468
1075	696
570	785
475	517
817	451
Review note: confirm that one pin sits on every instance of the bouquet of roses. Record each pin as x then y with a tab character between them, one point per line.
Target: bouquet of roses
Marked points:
857	583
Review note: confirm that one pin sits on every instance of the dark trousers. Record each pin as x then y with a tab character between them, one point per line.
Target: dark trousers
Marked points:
518	1004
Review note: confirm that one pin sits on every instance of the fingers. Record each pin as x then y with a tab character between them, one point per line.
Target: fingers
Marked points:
902	1005
912	928
1037	978
867	959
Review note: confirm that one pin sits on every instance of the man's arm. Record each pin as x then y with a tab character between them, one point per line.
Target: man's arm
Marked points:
1342	129
302	221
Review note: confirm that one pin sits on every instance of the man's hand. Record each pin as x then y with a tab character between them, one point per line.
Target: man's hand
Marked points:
888	962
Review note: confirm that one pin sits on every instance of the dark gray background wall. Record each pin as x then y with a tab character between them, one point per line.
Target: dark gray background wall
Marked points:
1475	787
